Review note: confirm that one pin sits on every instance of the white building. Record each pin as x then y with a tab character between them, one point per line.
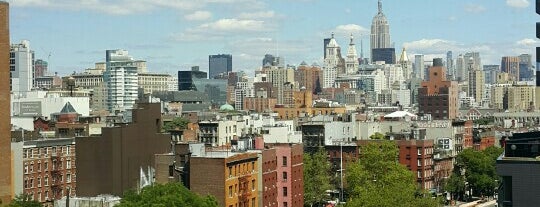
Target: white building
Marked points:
380	31
332	63
244	88
406	65
173	83
121	80
351	63
151	82
21	66
393	74
42	103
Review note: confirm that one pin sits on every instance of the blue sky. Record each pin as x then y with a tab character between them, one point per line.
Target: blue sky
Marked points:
172	35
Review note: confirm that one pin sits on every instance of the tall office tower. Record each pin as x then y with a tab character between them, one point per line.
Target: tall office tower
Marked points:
21	67
461	69
388	55
219	64
351	64
6	188
450	66
121	80
40	68
406	65
491	72
380	31
525	67
510	65
333	63
473	57
438	96
325	42
270	60
419	66
476	83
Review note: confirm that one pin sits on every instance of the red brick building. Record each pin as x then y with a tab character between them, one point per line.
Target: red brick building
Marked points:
6	188
49	169
438	96
269	178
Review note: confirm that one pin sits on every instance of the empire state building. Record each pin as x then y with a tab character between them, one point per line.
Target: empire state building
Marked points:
380	31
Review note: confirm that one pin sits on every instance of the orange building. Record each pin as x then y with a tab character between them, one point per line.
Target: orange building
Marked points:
303	104
438	96
6	188
259	104
231	178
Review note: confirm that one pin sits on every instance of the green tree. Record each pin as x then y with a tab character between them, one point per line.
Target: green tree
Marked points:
456	185
377	135
479	168
176	123
168	195
24	200
377	179
316	177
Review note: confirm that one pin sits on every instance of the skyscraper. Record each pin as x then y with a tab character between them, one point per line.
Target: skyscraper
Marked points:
406	65
325	42
461	69
6	190
351	64
419	66
476	83
510	65
121	80
218	64
525	67
450	66
21	67
438	96
333	63
380	31
270	60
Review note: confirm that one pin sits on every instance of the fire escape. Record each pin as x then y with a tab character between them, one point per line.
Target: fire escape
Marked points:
245	192
56	175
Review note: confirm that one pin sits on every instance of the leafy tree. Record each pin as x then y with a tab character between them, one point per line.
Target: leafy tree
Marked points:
168	195
316	177
479	168
377	179
24	200
377	135
176	123
456	185
484	121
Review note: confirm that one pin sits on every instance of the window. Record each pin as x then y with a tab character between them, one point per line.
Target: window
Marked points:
31	168
68	164
25	168
253	202
25	183
284	191
46	180
230	191
39	182
46	166
285	176
252	166
68	150
252	185
31	183
284	158
68	178
285	204
39	167
230	171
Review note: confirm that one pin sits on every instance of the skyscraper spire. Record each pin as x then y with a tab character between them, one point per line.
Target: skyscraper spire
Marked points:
352	38
361	48
380	6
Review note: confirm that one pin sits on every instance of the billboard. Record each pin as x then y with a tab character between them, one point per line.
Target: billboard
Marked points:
30	108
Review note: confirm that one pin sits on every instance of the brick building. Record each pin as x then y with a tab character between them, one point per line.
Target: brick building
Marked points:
269	178
438	96
48	169
122	158
234	180
6	188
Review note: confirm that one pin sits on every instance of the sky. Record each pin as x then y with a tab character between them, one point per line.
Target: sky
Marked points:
173	35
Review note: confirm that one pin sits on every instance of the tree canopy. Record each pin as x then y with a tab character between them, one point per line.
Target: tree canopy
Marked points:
24	200
168	195
377	179
176	123
316	177
479	171
377	135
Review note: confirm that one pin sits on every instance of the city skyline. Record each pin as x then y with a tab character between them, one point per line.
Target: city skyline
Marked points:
76	34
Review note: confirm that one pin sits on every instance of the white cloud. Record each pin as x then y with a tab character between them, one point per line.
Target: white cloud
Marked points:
527	42
223	28
348	29
517	3
257	15
198	16
474	8
126	7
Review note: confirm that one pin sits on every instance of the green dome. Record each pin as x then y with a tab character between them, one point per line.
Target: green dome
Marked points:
226	107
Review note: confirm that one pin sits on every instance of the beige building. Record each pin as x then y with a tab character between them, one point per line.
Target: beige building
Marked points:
521	98
279	77
498	91
151	82
476	85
